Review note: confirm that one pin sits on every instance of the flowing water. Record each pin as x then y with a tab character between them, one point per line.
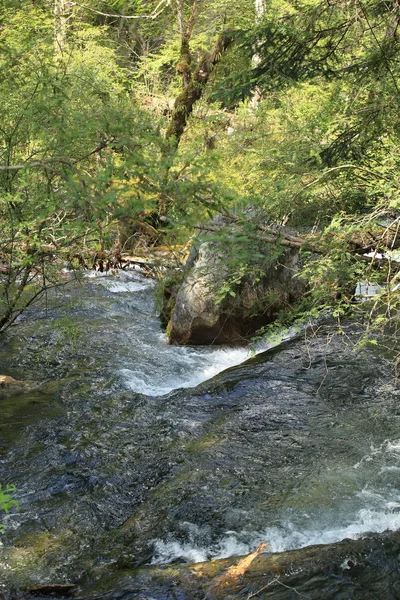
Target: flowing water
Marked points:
127	451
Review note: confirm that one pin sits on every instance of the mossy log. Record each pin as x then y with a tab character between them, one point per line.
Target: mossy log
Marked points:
353	569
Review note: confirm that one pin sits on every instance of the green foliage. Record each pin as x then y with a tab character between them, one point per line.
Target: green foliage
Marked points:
76	153
6	500
307	132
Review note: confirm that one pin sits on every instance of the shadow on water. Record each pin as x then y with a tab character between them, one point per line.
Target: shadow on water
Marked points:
120	463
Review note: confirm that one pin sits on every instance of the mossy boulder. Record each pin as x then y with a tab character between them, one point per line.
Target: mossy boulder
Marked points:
216	306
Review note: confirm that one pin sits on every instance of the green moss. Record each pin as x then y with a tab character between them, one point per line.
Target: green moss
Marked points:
166	293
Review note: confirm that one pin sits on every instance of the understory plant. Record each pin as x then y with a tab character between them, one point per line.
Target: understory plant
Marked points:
6	500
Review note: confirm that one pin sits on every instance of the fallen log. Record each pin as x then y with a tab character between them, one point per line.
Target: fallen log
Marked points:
6	380
344	569
377	238
156	260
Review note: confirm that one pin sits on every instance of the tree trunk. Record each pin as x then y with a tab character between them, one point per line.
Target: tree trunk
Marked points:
122	20
193	87
185	58
256	95
193	91
60	27
260	9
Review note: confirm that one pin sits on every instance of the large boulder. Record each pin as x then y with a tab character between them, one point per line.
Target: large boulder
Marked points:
216	306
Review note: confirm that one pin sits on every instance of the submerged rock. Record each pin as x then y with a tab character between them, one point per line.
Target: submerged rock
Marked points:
216	304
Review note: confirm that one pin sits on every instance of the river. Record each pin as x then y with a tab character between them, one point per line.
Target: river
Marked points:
131	452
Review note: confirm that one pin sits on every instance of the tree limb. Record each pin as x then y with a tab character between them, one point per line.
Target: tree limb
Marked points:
184	103
338	168
157	11
376	238
39	163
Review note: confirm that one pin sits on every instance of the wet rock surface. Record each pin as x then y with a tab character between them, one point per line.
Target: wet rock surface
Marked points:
297	446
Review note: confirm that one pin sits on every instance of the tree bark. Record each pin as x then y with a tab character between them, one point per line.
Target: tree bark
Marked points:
256	95
60	27
193	91
193	87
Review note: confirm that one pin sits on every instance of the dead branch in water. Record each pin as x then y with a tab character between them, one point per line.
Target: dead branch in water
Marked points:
232	575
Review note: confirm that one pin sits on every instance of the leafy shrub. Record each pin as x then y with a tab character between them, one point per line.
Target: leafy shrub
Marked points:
6	500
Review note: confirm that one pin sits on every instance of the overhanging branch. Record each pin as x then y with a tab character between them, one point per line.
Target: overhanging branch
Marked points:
157	11
377	238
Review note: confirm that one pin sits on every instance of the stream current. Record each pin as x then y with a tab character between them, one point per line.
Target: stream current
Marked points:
127	451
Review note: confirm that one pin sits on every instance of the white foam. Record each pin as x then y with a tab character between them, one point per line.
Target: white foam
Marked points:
394	447
166	552
372	508
187	368
123	283
367	521
122	288
230	545
120	282
381	453
389	469
93	274
278	539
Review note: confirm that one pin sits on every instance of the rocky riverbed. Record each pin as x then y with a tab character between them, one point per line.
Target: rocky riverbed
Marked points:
133	454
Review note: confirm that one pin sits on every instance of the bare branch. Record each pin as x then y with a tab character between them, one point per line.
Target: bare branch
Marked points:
45	163
27	165
157	11
192	19
338	168
273	582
